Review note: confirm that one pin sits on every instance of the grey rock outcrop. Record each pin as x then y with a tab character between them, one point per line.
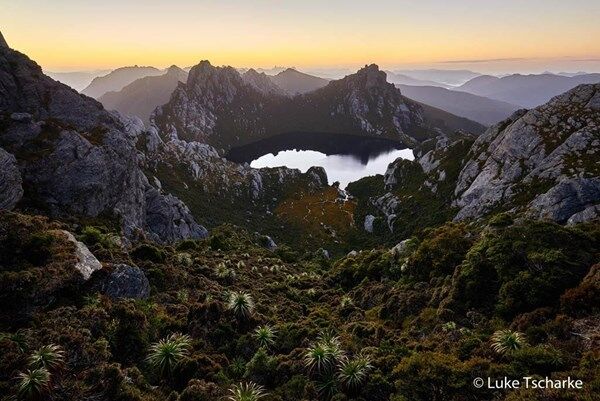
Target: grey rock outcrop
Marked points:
11	188
77	158
86	261
572	199
544	161
269	243
127	282
400	248
588	214
169	219
368	225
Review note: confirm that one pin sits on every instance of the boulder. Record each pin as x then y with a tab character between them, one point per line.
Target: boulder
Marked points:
369	219
400	248
168	219
127	282
86	261
269	243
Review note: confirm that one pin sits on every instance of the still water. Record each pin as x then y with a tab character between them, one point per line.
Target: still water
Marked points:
344	168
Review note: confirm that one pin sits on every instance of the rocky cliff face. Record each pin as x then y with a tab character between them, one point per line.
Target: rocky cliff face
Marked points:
76	159
214	104
220	107
544	161
11	189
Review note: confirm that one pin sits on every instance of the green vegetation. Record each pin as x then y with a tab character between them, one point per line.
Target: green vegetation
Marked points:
167	353
506	341
246	392
414	322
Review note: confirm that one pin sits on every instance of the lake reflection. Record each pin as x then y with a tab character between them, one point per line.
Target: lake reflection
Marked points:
344	168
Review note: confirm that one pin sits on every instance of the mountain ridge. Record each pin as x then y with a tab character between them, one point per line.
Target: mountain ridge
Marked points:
527	90
143	95
217	107
117	79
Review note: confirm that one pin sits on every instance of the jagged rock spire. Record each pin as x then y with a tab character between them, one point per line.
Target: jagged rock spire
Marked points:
2	41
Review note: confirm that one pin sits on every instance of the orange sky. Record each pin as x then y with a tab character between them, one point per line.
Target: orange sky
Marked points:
76	35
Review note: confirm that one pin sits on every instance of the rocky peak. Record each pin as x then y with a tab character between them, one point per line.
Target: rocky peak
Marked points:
206	76
174	70
261	82
3	41
370	76
543	161
77	159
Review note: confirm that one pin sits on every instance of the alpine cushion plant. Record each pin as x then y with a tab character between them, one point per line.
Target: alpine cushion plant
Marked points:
246	392
167	353
241	304
506	341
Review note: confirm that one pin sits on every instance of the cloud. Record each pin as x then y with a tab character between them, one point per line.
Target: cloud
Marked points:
489	60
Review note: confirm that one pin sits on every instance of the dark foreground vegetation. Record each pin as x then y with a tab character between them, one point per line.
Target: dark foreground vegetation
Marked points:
225	318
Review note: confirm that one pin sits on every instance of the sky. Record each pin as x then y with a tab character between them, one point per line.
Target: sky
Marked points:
491	36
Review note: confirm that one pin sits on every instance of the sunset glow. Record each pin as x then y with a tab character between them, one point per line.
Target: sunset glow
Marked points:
108	34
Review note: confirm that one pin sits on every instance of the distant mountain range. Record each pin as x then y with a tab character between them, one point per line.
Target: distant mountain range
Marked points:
484	110
403	79
118	79
484	99
142	96
525	90
446	77
77	80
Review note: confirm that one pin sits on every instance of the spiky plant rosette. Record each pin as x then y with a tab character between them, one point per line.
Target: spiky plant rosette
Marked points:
33	384
265	335
353	372
241	304
506	341
249	391
167	353
51	357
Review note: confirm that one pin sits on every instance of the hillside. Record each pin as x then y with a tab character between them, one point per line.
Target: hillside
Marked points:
117	79
526	90
540	164
295	82
143	95
476	108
